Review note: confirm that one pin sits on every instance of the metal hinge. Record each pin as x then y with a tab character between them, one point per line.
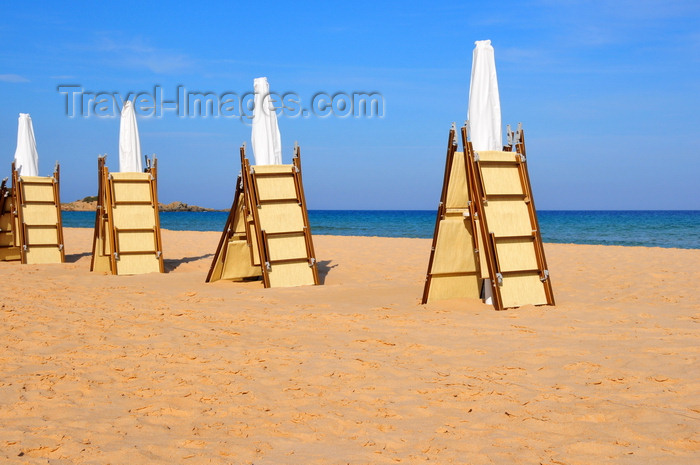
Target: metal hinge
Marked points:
312	261
499	278
545	277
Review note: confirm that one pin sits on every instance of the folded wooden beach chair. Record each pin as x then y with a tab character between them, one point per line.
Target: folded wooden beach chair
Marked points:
31	229
509	226
127	236
267	232
490	218
453	268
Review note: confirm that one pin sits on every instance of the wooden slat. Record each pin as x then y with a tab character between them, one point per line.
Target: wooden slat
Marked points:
283	217
131	264
265	170
454	287
276	187
516	254
284	247
238	263
496	156
41	255
521	289
454	251
457	191
291	274
507	218
42	235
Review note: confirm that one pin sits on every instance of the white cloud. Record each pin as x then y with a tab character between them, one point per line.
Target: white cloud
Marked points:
134	52
12	78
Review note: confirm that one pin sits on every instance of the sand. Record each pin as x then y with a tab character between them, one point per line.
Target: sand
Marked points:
165	369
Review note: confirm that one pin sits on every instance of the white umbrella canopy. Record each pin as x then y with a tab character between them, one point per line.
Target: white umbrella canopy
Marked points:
129	142
266	139
26	156
484	113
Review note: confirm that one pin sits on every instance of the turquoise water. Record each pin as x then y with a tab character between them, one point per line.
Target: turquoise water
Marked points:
678	229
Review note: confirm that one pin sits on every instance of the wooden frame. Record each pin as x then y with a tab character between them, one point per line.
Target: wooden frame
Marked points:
126	219
454	265
509	227
9	248
31	228
502	233
267	232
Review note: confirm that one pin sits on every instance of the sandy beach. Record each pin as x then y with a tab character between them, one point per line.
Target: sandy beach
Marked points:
165	369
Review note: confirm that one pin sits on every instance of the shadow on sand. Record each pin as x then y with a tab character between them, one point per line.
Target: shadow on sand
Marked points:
74	257
171	264
324	267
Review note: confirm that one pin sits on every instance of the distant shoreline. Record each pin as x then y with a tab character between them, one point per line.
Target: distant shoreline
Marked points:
91	205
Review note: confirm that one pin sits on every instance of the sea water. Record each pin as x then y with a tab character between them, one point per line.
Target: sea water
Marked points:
668	228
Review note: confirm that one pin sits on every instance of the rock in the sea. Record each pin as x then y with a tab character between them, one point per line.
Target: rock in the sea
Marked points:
82	205
182	207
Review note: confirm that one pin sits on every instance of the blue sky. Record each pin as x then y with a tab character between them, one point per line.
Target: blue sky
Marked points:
608	93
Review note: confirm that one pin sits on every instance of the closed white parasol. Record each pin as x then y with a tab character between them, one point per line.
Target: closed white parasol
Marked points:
26	156
129	143
484	113
266	139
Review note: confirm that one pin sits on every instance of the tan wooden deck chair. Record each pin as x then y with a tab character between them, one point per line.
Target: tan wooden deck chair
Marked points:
454	268
509	226
127	236
30	221
267	232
